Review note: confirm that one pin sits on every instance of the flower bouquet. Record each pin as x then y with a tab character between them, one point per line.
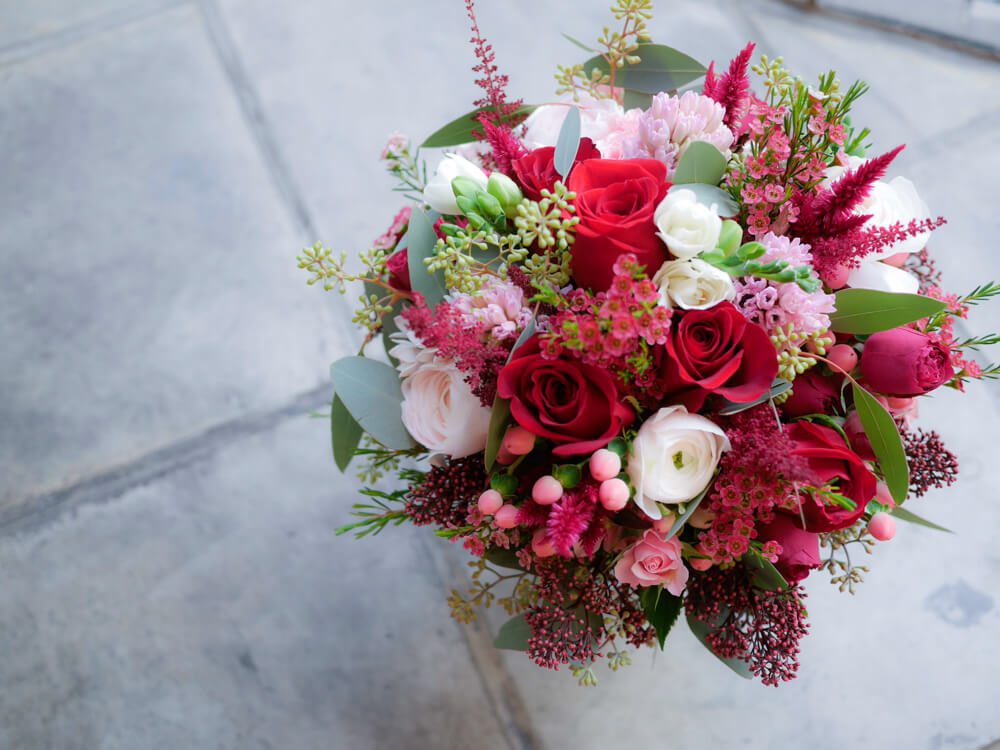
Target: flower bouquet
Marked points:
649	349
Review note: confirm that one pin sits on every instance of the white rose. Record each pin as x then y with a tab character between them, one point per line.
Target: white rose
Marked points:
597	118
438	193
673	458
688	227
874	274
693	284
889	202
441	412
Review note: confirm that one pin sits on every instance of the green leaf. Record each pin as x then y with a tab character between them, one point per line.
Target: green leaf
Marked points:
904	515
881	430
514	634
871	311
527	333
568	143
579	44
763	574
700	163
498	427
778	387
371	393
459	130
701	630
421	240
689	510
661	68
637	100
661	608
345	433
710	195
503	558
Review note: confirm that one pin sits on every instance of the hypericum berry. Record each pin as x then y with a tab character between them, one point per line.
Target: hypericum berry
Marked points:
843	357
547	490
541	545
490	502
605	465
836	277
882	527
613	493
517	441
883	495
506	516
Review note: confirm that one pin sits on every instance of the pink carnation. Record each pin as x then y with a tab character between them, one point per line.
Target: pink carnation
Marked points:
653	561
500	305
664	130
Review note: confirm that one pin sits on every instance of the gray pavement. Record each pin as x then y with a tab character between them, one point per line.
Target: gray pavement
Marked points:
166	504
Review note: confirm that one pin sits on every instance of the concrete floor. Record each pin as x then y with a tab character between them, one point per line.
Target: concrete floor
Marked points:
166	504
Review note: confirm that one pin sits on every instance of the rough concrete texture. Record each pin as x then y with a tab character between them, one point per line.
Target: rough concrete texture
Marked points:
171	579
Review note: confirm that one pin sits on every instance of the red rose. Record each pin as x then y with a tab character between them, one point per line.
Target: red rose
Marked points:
799	548
615	200
812	393
573	404
829	459
536	171
905	362
717	351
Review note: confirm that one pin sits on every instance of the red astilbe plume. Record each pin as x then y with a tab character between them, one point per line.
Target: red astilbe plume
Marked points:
732	90
763	628
447	493
507	147
931	463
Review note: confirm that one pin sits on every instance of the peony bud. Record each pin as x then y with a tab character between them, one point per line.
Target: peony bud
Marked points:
905	362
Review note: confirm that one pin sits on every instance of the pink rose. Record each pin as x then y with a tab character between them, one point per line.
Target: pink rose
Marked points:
653	561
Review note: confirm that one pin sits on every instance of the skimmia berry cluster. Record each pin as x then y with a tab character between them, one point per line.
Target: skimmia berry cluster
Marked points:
646	353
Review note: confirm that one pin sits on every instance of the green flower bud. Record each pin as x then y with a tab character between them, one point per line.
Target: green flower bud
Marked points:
465	187
505	484
506	191
569	475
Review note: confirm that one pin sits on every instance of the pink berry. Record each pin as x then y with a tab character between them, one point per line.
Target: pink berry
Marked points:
506	516
541	545
490	502
883	495
700	563
504	456
518	441
882	527
605	464
613	494
836	278
844	357
664	523
546	490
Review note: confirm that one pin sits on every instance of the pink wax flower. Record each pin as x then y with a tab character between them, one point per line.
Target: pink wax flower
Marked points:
653	561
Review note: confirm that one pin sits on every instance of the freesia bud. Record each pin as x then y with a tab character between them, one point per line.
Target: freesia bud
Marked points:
506	191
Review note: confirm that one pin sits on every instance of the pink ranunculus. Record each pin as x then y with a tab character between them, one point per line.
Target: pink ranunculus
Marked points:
653	561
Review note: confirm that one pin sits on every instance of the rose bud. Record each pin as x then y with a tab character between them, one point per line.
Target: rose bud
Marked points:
812	393
905	362
857	437
799	548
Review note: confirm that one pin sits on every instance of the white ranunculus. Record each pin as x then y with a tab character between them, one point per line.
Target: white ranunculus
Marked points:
438	193
889	202
693	284
688	227
441	412
874	274
673	458
597	118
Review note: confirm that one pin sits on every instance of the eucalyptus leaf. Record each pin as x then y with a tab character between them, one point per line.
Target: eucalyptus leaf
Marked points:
568	143
421	241
701	630
371	392
778	387
460	130
700	163
514	634
710	195
660	68
504	558
637	99
661	608
871	311
527	333
904	515
763	574
345	433
689	510
883	434
498	427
